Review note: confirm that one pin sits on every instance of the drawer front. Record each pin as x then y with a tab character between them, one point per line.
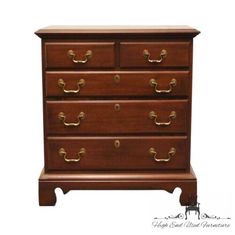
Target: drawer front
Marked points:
80	55
116	153
93	84
117	116
154	54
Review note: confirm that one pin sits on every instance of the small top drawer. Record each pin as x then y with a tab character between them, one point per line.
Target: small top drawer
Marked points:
154	54
79	55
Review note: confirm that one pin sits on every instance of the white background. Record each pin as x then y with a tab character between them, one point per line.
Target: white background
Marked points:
112	212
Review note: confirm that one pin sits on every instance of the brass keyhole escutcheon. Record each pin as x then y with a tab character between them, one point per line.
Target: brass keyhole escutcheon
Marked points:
117	107
116	78
117	144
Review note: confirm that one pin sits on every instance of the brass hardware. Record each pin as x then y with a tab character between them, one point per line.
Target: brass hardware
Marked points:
147	55
116	78
153	83
170	154
117	107
63	153
62	117
86	57
62	85
117	144
153	115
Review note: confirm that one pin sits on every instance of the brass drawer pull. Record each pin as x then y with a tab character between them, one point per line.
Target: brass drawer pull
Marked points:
62	117
147	55
153	115
86	57
63	153
170	154
62	84
153	83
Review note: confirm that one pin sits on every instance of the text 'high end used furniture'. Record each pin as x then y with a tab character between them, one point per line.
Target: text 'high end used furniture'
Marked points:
117	109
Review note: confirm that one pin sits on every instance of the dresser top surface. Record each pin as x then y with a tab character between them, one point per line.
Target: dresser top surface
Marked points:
164	30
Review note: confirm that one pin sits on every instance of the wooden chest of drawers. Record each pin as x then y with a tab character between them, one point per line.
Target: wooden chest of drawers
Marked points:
117	109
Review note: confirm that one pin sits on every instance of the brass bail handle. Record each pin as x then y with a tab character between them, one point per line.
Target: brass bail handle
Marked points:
170	154
63	153
62	117
147	55
62	84
154	116
86	57
153	83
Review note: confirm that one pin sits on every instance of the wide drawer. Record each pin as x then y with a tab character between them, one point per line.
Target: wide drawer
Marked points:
103	84
116	153
79	55
116	116
154	54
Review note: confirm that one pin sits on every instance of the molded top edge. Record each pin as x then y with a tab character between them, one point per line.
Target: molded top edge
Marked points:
67	31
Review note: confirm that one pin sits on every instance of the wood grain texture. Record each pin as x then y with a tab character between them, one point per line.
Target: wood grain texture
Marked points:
71	32
131	54
117	51
57	57
132	154
131	84
102	118
116	181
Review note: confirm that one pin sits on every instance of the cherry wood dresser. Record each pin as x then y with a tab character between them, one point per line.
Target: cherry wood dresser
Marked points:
117	109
